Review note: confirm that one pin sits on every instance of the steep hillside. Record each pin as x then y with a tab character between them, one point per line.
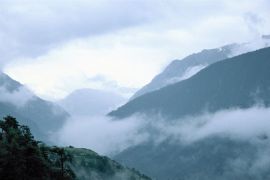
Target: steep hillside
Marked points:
23	157
179	70
240	81
87	164
41	116
212	158
182	69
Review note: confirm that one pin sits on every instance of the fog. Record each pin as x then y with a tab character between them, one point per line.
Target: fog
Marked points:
115	39
91	102
109	136
240	124
255	44
18	97
101	134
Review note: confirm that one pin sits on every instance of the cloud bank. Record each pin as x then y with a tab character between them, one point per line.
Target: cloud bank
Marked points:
108	136
126	42
241	124
101	134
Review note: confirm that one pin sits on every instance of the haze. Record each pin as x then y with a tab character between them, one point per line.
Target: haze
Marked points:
116	46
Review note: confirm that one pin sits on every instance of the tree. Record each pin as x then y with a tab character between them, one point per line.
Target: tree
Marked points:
61	160
22	157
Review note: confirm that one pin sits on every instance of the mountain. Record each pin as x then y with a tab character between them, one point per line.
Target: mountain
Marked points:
240	82
89	102
23	157
218	158
179	70
41	116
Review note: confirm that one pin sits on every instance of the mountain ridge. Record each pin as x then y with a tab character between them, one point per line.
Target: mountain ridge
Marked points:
177	68
203	90
43	117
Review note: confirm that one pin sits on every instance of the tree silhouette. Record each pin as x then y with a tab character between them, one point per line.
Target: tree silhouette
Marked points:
61	160
22	157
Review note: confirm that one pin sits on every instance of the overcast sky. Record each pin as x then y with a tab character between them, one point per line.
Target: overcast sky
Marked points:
56	46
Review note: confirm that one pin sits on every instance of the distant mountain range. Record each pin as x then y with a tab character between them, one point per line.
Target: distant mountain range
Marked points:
179	70
41	116
205	82
241	81
90	102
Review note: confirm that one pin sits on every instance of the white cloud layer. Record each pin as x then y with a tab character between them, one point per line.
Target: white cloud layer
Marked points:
241	124
101	134
108	136
66	44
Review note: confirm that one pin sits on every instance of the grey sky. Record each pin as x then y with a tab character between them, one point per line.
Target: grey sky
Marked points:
56	46
35	26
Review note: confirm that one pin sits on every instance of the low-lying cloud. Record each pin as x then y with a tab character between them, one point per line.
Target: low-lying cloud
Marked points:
253	45
243	124
18	97
102	134
108	136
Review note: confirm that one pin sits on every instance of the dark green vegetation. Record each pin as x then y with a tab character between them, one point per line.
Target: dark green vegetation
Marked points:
177	68
41	116
241	82
89	165
22	157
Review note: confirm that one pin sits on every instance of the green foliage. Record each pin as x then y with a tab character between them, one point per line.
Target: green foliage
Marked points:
89	165
22	157
59	157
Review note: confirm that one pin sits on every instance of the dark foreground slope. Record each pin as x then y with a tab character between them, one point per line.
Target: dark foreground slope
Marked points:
87	164
240	82
22	157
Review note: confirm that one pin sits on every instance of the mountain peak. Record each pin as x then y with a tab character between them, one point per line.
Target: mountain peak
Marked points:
238	82
9	83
